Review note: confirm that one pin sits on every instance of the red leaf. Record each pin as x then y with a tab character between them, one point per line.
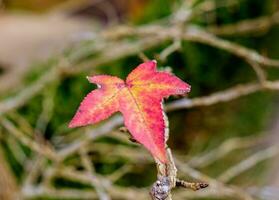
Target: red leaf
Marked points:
139	99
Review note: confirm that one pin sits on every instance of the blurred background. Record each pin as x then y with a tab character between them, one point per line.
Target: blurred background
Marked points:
225	132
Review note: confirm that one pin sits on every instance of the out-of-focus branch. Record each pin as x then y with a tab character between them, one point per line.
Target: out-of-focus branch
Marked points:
223	150
24	125
218	97
124	49
27	93
209	6
91	135
196	34
261	74
15	146
33	169
96	183
176	45
47	111
250	26
39	192
8	183
41	149
249	163
216	189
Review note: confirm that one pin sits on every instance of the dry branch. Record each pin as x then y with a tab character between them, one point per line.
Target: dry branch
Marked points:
250	26
8	184
249	163
223	150
41	149
96	183
196	34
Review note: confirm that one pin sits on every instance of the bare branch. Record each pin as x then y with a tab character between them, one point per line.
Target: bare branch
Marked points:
27	93
190	185
196	34
222	96
250	26
259	72
91	135
216	188
176	45
41	149
96	183
223	150
249	163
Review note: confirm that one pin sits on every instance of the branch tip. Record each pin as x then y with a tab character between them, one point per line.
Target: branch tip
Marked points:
191	185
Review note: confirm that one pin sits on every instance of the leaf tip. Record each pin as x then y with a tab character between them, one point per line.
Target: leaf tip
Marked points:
188	88
73	124
154	61
91	79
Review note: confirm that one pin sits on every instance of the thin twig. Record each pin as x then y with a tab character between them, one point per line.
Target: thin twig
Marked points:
259	72
176	45
41	149
28	92
191	185
97	184
47	111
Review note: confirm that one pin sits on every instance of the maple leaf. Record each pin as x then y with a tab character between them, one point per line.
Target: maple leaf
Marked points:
139	99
